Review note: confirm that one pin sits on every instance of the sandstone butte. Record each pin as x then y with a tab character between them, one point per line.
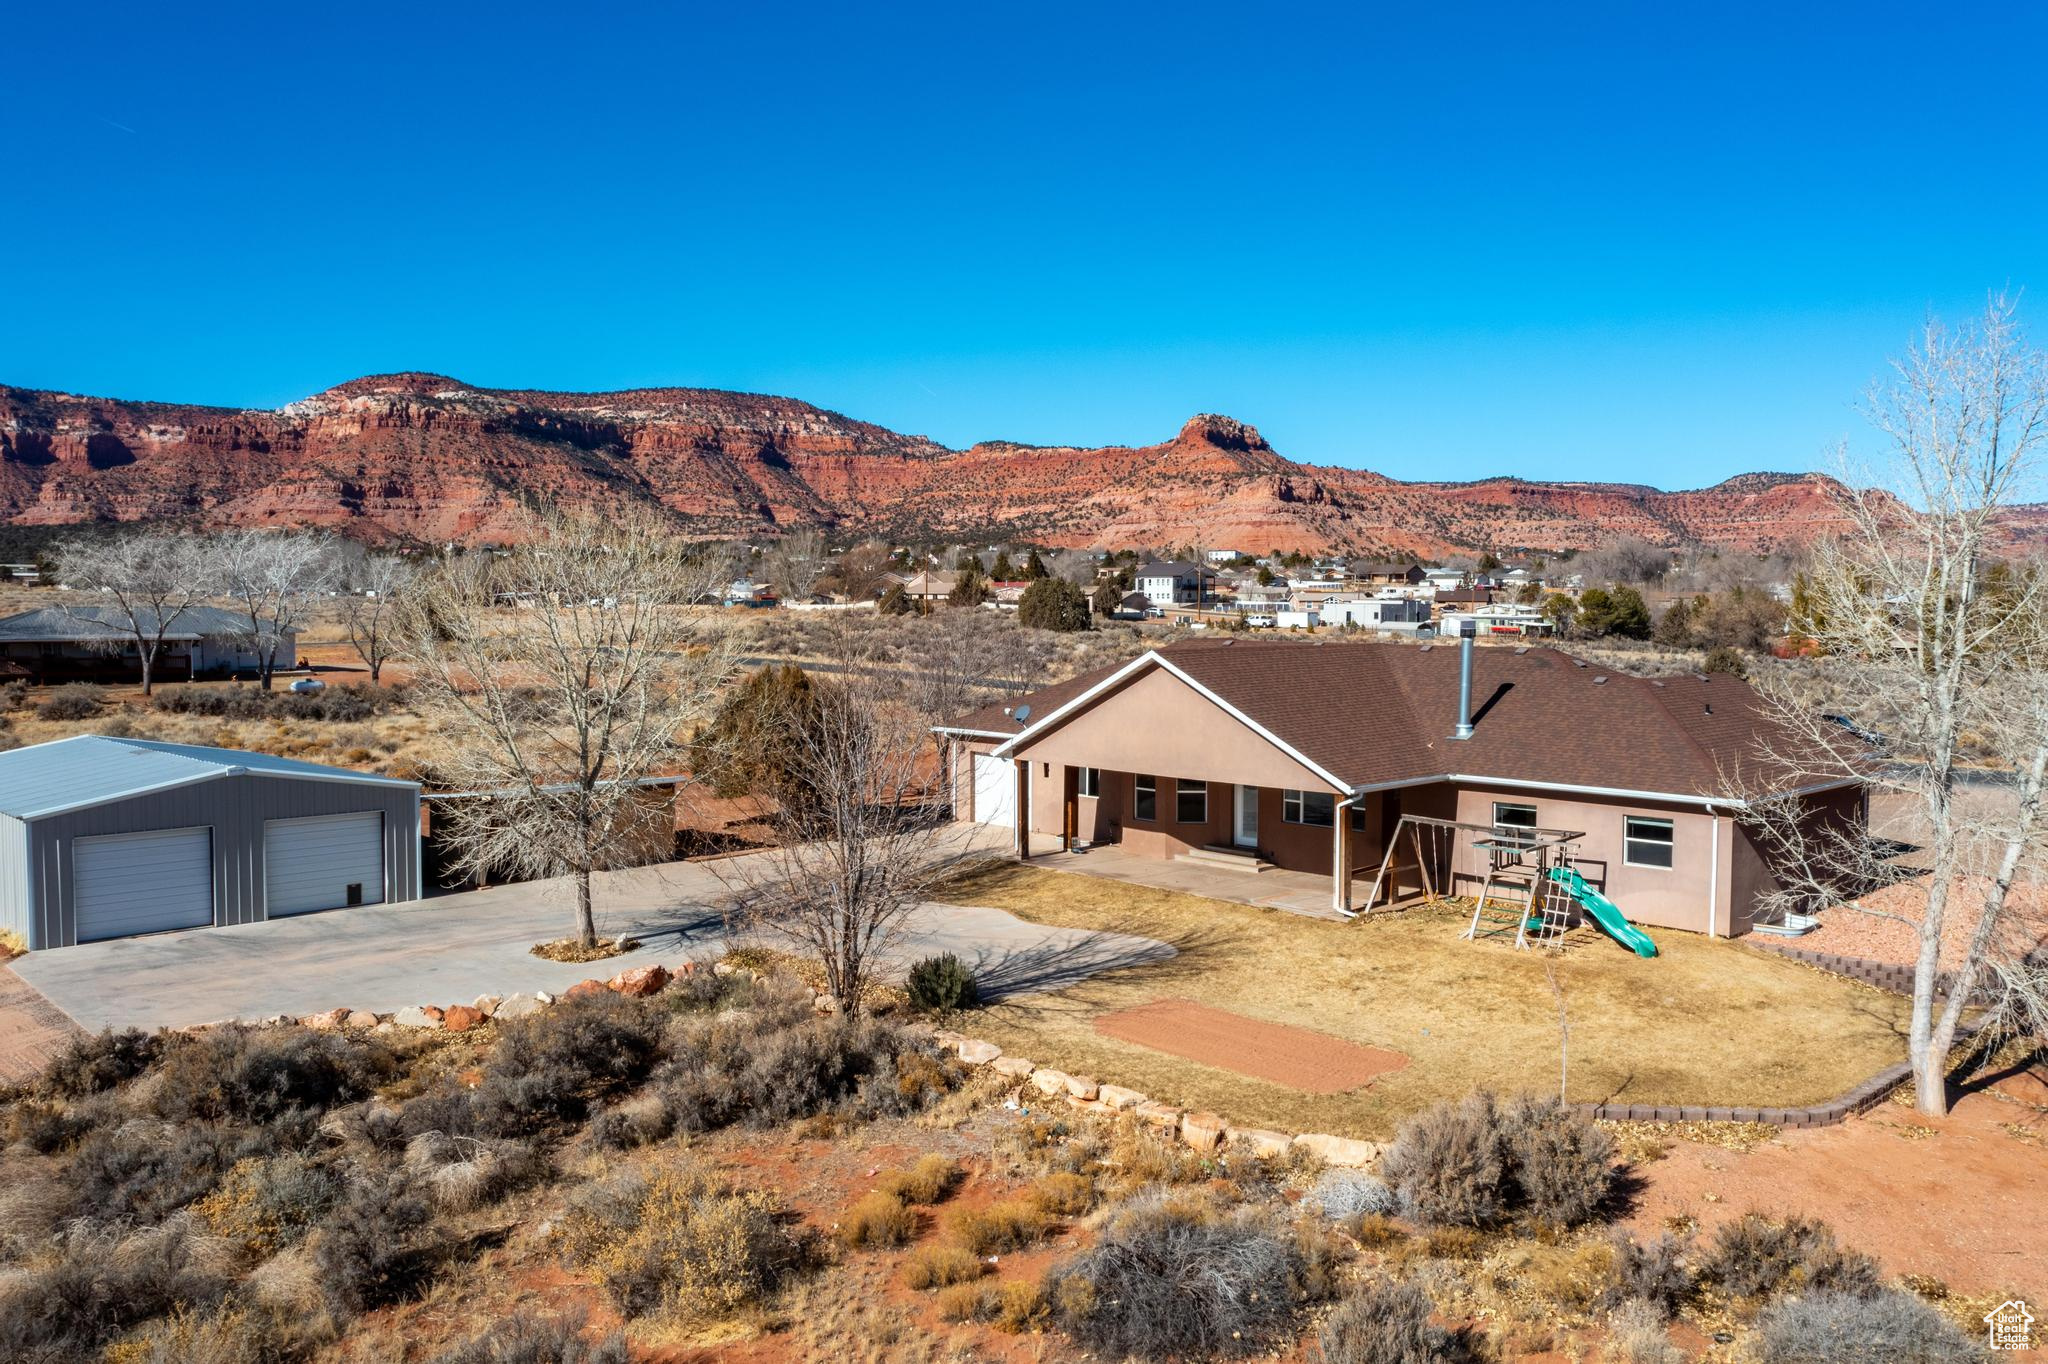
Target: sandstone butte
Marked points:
424	459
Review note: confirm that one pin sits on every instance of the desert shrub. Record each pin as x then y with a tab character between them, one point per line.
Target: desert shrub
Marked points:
1138	1159
1020	1306
1636	1335
99	1062
1477	1162
878	1219
264	1205
98	1285
552	1066
1062	1194
73	701
1376	1231
14	695
262	1075
1382	1322
1755	1257
1009	1225
640	1121
1653	1274
47	1128
459	1173
342	705
773	1066
527	1338
679	1242
373	1249
1881	1328
1345	1194
942	1267
967	1302
233	1334
927	1182
941	985
141	1172
1172	1278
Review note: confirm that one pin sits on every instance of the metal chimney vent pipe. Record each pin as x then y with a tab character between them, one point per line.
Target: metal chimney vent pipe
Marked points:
1464	729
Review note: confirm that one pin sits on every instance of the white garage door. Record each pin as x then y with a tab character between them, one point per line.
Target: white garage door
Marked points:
995	791
142	883
326	862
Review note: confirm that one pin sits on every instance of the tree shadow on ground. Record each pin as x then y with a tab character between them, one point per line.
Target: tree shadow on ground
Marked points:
1071	966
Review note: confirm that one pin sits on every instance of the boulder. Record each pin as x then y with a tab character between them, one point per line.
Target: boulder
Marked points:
824	1003
1116	1096
976	1053
1048	1081
461	1018
1203	1131
1261	1141
360	1018
584	988
519	1006
414	1016
1165	1117
1014	1066
327	1021
487	1005
1083	1086
638	982
1331	1150
723	968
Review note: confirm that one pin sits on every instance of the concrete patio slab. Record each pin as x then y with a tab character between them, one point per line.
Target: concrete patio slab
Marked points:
1296	892
452	948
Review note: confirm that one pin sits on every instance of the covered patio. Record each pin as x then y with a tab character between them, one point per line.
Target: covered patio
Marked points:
1297	892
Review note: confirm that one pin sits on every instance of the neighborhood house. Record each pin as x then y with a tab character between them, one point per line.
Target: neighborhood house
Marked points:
1306	756
57	643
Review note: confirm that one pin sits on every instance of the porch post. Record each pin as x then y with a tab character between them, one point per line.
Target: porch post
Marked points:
1340	856
1023	808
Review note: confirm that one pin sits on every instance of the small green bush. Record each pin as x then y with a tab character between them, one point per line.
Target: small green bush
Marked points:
942	985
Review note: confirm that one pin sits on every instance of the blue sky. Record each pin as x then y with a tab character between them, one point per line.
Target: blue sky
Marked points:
1632	243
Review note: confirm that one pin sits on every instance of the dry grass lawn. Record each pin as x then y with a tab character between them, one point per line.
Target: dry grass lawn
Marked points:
1705	1022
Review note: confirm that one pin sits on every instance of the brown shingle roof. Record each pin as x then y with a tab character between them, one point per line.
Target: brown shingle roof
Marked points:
1380	713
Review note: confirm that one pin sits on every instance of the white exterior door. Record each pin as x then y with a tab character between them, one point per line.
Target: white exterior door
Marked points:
1246	828
123	884
326	862
995	791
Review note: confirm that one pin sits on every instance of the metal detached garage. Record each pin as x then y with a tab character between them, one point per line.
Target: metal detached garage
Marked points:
106	838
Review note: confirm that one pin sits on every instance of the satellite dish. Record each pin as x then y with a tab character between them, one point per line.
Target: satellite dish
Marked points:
1022	713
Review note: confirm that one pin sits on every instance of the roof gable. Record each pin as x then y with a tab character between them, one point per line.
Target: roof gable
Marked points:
91	769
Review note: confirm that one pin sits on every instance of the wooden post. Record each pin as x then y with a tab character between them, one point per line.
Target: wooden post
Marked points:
1023	808
1340	855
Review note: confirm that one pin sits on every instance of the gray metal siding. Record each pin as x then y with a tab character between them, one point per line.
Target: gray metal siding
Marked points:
236	808
14	886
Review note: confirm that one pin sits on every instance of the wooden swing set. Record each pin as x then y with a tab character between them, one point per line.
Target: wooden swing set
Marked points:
1511	864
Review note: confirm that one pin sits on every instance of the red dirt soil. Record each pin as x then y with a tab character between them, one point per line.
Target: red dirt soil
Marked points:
1313	1062
1957	1197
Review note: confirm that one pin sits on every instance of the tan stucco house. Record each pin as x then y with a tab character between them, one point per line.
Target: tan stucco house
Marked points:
1306	755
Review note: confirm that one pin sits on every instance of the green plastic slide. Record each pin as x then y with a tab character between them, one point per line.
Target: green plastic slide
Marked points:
1604	913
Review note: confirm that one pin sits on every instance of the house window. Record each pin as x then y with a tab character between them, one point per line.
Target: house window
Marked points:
1191	801
1145	799
1511	819
1646	842
1318	808
1090	783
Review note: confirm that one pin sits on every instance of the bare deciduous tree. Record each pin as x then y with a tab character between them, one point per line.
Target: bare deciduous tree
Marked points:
140	584
563	675
859	843
375	583
273	577
1946	652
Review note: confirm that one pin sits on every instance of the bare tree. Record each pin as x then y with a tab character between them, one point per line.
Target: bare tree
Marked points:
795	562
375	583
859	842
563	675
143	586
273	577
1946	651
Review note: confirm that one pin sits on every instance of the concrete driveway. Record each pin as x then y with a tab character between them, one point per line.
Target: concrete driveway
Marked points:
452	948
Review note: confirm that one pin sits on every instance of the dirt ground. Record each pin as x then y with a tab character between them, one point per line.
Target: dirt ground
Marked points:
32	1030
1300	1058
1958	1198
